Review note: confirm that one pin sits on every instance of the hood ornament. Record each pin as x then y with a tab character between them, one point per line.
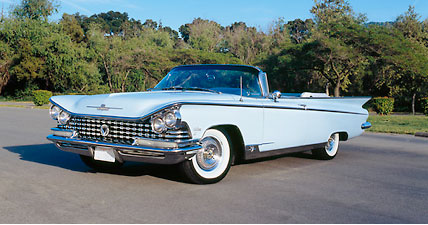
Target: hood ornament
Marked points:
102	107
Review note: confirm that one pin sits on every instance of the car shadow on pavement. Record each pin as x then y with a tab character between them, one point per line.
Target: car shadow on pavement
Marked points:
48	154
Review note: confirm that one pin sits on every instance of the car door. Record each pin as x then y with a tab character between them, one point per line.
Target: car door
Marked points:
285	124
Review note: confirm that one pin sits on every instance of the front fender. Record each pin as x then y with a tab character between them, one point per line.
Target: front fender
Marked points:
248	120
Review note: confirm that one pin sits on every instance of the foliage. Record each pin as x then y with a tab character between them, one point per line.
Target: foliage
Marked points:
383	105
424	105
334	52
41	97
35	9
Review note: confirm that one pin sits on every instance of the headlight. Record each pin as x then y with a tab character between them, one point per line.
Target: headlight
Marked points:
158	125
63	117
171	118
54	112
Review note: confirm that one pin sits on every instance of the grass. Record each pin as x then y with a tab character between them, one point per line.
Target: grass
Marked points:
9	99
23	106
399	124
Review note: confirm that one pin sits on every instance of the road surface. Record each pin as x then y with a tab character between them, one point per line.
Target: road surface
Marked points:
375	178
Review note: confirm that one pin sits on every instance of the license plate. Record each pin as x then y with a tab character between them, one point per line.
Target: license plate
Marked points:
104	154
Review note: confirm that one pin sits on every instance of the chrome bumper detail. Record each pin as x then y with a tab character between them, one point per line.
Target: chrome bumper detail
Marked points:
128	152
366	125
64	133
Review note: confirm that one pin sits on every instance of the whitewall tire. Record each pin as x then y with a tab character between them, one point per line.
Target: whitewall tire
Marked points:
330	149
213	161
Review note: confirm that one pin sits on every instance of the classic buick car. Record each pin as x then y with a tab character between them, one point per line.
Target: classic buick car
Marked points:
203	117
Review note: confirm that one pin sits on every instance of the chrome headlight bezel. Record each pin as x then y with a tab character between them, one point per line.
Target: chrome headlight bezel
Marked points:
168	119
63	117
54	112
172	118
158	125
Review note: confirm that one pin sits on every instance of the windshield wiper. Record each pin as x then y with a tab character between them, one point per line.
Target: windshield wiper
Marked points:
173	88
190	89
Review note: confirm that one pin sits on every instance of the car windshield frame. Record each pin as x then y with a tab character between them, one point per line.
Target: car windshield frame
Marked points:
197	78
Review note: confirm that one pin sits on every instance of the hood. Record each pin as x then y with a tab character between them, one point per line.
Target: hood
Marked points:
131	105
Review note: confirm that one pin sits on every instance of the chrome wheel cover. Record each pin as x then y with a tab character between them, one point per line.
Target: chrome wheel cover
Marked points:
330	144
210	155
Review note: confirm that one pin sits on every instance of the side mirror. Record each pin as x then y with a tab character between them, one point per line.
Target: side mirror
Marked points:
276	95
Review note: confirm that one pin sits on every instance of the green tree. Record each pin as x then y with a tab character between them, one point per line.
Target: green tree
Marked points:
243	42
35	9
202	34
6	60
71	26
334	57
408	23
300	30
414	79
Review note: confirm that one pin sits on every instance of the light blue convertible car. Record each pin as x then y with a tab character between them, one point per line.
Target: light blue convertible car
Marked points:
203	117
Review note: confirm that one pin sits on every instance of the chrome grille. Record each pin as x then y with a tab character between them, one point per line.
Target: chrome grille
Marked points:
120	131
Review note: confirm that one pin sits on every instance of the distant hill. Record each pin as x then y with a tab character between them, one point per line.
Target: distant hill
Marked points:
387	24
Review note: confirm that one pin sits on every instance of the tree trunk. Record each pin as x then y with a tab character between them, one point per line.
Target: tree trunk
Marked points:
107	72
337	89
4	79
326	89
413	103
124	80
108	76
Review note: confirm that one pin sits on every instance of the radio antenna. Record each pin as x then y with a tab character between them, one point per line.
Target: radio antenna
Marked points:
240	84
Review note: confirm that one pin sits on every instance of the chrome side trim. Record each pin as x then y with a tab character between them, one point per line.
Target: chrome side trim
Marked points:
253	152
204	103
366	125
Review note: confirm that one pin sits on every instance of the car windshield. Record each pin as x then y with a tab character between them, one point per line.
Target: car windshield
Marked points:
224	79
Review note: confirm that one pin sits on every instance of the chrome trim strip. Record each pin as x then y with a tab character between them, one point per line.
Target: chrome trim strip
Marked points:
272	107
203	103
366	125
234	65
253	152
102	107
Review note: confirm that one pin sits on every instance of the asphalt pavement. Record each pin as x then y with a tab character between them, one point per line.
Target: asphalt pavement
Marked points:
375	178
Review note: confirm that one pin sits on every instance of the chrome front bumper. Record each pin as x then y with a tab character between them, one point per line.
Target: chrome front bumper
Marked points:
127	152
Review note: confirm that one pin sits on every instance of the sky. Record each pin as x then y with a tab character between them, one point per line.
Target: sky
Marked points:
258	13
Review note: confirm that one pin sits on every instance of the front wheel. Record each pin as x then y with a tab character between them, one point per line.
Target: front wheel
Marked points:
330	149
213	161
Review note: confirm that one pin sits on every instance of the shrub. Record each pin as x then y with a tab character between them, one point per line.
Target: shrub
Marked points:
424	105
41	97
383	105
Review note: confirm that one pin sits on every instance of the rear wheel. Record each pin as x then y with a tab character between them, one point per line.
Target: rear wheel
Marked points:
213	161
100	165
330	149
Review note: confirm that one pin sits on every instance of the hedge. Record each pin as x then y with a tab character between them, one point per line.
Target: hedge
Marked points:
383	105
424	104
41	97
